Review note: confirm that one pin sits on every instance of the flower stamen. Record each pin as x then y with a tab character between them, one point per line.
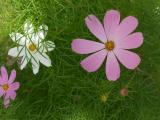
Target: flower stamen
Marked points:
5	87
32	47
109	45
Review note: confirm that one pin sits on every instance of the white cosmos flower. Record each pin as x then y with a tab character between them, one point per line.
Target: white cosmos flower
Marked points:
32	47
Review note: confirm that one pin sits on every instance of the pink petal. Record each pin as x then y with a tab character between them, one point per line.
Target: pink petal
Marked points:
11	94
127	26
4	73
94	61
2	81
6	96
111	23
14	86
82	46
1	92
6	106
12	77
112	67
95	27
129	59
6	102
132	41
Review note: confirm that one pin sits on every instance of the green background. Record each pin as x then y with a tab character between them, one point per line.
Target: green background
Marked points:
67	92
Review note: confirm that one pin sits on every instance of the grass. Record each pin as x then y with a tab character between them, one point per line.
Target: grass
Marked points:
65	91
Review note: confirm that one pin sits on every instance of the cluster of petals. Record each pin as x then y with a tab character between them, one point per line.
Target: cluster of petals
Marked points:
116	39
7	86
32	47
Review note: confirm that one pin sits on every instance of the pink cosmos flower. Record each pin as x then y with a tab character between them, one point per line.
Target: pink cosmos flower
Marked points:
116	38
7	87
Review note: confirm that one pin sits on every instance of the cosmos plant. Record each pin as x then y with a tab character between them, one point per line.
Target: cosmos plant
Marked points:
7	86
116	39
32	47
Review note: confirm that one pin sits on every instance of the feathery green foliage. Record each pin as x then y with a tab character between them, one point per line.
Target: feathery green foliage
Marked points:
67	92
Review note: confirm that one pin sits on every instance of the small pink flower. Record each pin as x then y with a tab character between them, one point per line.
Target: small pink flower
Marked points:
7	87
116	38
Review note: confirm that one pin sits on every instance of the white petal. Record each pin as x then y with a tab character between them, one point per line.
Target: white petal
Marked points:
28	55
28	28
18	38
47	46
35	70
35	65
50	45
24	62
31	38
44	59
42	49
16	51
42	31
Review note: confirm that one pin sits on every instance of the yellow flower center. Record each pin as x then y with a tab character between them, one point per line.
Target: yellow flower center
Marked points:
32	47
109	45
5	87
